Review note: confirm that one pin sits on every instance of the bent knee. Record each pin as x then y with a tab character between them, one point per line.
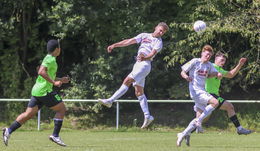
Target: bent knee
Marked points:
139	93
230	107
215	103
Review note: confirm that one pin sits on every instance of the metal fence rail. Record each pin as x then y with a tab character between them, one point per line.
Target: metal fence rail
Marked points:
121	101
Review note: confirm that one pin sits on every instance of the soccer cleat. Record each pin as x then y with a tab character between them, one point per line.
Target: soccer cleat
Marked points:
57	140
6	136
180	137
187	140
105	102
147	121
243	131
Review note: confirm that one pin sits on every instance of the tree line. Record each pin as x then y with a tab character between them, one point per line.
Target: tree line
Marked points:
86	28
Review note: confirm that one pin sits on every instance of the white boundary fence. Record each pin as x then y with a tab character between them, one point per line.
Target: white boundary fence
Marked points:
122	101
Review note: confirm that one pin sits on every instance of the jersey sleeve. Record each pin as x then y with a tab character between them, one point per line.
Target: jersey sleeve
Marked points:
139	38
212	69
187	66
47	61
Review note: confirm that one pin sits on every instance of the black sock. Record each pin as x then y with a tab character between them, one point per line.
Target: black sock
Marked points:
14	126
57	127
235	120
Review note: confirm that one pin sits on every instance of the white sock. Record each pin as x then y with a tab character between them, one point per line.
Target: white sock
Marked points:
205	113
144	105
120	92
239	127
190	128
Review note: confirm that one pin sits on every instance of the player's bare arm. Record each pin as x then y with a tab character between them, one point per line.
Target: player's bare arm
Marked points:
63	79
185	76
215	74
122	43
43	72
235	70
142	57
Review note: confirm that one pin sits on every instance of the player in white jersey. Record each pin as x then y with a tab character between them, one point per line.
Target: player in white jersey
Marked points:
150	45
199	70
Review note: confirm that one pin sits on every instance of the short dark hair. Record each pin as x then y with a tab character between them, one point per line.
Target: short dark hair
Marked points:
52	45
221	54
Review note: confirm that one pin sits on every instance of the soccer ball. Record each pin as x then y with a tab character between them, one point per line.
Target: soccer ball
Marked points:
199	26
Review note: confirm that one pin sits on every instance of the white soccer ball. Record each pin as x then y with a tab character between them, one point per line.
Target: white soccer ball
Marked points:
199	26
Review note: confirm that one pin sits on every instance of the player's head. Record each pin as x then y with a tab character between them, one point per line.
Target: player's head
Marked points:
207	52
160	29
220	58
53	47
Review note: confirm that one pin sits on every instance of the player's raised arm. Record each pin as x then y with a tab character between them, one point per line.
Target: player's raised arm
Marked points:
235	70
122	43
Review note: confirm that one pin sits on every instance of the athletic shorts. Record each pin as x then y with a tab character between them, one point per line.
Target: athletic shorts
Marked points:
140	71
220	100
201	100
49	100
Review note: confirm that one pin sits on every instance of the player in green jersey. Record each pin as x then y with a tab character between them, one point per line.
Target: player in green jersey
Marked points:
43	94
212	86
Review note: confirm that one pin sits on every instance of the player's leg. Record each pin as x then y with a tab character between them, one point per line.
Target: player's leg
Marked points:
212	105
123	89
227	106
120	92
56	104
31	110
187	132
139	92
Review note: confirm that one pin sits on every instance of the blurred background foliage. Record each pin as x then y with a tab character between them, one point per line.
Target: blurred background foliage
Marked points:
86	28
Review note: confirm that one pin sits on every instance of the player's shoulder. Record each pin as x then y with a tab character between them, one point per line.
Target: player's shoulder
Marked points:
195	60
49	58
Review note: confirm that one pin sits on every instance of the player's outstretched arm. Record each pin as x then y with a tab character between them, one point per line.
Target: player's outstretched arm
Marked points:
122	43
43	72
235	70
215	74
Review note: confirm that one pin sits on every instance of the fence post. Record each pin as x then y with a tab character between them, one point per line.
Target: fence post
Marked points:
39	119
117	115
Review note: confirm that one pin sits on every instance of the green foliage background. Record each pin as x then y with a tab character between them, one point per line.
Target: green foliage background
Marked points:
88	27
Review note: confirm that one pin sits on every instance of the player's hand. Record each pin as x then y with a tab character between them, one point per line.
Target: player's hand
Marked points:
140	57
57	83
242	61
110	48
188	78
65	79
219	76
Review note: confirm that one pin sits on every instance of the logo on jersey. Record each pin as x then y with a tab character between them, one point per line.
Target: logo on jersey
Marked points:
146	40
202	72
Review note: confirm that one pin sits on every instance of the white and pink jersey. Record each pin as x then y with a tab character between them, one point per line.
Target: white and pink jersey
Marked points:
199	72
148	43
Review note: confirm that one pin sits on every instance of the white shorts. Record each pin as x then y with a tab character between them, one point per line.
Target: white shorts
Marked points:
201	100
139	72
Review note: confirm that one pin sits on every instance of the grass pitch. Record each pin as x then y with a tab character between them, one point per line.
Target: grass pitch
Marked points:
81	140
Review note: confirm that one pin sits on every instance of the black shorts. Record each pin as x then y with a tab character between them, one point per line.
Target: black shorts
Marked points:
49	100
220	100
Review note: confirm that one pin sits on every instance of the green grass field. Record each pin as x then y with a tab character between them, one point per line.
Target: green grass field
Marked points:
130	141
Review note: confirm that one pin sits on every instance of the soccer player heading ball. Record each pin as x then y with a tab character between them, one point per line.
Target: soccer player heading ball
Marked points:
150	45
